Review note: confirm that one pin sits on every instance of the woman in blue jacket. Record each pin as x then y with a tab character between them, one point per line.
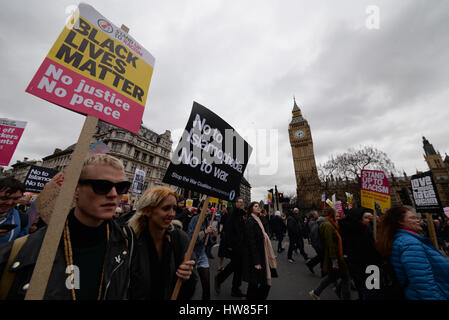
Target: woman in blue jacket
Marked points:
419	266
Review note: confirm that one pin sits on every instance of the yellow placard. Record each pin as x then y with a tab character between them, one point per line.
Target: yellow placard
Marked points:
213	200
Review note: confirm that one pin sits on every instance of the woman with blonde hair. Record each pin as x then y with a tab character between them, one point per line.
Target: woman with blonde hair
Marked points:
160	249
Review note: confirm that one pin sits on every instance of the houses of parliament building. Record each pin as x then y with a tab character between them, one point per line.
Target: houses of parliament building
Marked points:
310	188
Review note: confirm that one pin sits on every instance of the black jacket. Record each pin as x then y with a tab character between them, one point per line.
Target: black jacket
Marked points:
234	230
176	246
358	244
277	225
292	228
254	253
116	273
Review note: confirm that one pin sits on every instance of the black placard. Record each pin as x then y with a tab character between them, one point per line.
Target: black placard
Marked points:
425	193
37	177
210	158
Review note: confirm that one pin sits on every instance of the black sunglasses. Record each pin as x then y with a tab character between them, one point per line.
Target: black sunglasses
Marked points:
105	186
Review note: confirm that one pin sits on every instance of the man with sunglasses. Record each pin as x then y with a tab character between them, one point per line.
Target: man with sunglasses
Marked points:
94	255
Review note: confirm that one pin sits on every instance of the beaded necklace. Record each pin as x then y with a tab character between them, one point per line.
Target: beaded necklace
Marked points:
69	258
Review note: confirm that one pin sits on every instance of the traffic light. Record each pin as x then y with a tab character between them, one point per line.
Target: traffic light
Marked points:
281	197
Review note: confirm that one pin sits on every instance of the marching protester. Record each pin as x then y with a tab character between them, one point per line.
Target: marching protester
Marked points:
315	240
293	236
92	241
234	230
202	262
259	259
358	247
182	213
11	228
420	268
212	239
265	221
223	252
278	226
302	233
160	249
334	264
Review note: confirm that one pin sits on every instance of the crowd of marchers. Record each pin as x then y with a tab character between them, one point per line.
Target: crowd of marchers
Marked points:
109	252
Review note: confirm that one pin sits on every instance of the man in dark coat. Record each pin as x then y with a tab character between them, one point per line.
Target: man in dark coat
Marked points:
183	214
279	228
293	234
300	235
315	239
234	230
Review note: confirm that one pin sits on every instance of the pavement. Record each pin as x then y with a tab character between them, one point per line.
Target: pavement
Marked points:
294	282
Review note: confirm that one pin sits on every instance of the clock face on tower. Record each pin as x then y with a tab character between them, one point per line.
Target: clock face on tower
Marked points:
299	134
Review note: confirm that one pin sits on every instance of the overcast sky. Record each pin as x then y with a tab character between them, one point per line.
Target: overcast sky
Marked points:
245	60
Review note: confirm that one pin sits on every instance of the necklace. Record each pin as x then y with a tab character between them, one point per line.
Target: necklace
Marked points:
69	258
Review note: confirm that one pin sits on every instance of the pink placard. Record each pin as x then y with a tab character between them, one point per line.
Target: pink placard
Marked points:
10	134
66	88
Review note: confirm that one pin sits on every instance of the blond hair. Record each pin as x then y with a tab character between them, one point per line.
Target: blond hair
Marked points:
102	159
151	199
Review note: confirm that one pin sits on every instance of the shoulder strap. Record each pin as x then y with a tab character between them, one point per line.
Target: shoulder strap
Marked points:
8	277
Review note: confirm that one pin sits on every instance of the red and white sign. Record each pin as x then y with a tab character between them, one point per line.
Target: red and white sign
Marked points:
10	134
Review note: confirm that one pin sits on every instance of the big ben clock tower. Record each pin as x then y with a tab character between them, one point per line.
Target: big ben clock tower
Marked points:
307	182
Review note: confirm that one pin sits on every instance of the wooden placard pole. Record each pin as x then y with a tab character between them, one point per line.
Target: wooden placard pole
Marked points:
192	245
375	226
45	260
431	228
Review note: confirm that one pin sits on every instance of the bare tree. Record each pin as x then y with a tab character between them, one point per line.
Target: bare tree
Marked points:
341	173
348	165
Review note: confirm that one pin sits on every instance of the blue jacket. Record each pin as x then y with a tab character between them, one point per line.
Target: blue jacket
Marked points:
12	217
416	260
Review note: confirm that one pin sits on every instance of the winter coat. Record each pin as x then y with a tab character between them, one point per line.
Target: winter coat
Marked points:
254	253
234	229
417	262
176	246
278	226
329	240
315	234
292	228
13	217
116	270
358	244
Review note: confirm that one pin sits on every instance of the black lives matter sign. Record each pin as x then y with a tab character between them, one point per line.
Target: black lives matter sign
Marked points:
37	177
424	193
210	157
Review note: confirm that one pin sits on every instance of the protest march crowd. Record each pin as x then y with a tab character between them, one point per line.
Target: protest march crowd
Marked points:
106	253
160	250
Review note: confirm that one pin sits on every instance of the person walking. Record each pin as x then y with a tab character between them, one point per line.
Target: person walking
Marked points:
223	252
333	262
160	249
358	247
315	240
234	230
293	235
202	262
259	261
301	233
279	228
421	269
